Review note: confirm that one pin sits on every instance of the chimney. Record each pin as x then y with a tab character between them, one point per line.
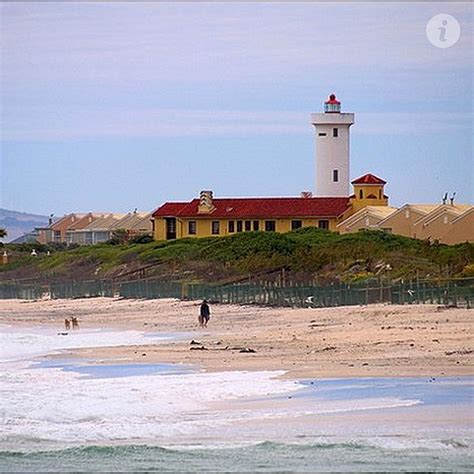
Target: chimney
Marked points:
451	199
445	198
50	220
206	205
306	194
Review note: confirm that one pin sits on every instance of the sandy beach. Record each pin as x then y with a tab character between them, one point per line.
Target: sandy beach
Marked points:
372	341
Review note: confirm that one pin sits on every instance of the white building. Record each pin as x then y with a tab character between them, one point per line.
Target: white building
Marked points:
332	149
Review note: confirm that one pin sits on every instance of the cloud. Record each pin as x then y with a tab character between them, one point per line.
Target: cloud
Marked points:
89	124
144	43
73	71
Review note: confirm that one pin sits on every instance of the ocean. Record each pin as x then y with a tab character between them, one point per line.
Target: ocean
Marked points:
85	415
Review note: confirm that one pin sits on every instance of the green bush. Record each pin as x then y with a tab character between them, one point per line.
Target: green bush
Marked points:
325	254
141	239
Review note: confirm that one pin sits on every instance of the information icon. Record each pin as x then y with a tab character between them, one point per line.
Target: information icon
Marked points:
443	30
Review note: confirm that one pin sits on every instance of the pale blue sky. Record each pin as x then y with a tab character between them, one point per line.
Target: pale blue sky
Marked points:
112	106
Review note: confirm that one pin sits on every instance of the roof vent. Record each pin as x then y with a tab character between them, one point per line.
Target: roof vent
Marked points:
306	194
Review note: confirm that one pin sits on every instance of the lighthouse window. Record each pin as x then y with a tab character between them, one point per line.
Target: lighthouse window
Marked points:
335	175
335	132
322	134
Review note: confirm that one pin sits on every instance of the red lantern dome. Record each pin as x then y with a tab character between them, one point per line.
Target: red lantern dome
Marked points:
332	105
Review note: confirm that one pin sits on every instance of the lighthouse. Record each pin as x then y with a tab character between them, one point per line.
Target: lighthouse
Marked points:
332	149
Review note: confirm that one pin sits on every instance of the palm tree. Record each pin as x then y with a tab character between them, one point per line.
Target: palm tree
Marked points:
3	233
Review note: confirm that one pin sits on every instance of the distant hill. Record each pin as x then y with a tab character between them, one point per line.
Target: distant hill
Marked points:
20	223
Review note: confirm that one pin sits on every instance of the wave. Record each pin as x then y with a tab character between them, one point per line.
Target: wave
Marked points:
127	449
314	456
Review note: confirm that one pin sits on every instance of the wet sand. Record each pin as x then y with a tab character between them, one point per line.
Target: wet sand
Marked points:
365	341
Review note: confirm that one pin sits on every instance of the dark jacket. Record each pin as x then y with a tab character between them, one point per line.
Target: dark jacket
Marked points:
205	311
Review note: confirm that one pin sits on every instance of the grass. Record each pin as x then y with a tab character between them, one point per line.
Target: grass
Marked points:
311	252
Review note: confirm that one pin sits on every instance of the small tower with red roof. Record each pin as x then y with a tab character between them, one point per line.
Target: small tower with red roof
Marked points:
368	191
332	149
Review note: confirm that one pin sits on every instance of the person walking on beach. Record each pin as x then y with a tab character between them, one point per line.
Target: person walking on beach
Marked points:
75	323
204	314
67	324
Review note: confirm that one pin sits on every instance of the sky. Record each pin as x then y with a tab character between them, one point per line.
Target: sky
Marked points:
116	106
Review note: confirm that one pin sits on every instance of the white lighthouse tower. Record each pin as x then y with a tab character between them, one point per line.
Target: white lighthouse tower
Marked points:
332	149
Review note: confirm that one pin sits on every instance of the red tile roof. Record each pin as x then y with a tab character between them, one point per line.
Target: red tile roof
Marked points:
369	179
169	209
242	208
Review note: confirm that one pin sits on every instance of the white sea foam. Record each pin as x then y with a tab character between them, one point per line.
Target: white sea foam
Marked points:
61	406
56	405
23	345
53	404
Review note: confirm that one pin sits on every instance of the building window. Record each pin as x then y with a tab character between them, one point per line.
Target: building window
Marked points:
248	226
215	228
192	227
57	236
335	132
231	226
380	194
239	226
335	175
323	224
270	226
322	134
296	225
361	194
256	225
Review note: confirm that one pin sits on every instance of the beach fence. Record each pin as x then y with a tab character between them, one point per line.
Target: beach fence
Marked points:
450	292
454	292
22	291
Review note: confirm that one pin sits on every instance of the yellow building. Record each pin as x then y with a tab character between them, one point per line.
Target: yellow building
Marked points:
368	191
461	229
207	216
368	217
402	221
367	209
443	224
